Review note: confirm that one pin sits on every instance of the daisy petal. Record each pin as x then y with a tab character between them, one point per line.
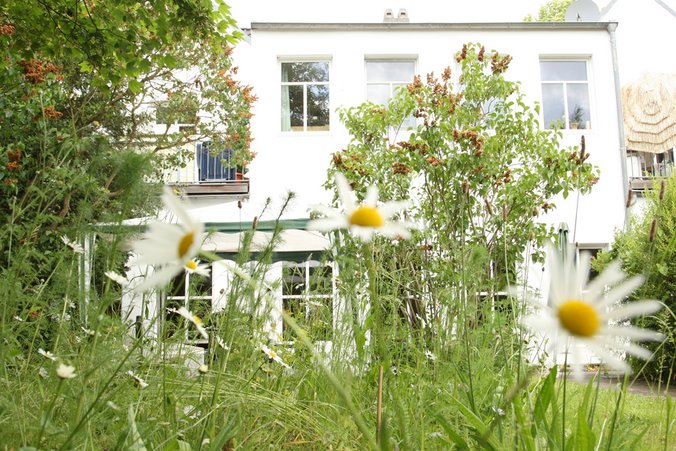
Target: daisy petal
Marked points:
623	290
371	199
328	224
345	193
634	333
389	209
633	309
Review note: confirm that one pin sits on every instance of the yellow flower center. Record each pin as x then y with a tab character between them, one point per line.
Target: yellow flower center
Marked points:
273	354
185	243
196	319
366	217
579	318
191	265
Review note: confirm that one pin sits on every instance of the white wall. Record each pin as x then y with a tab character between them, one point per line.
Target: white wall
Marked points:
298	162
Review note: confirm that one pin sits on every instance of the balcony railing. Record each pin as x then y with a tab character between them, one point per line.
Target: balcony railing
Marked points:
207	174
643	167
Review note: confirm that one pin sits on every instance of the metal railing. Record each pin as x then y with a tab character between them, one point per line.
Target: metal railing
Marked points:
204	168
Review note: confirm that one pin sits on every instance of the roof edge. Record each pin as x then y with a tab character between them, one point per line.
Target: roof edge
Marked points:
484	26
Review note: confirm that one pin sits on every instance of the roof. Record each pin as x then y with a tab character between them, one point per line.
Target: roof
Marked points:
399	26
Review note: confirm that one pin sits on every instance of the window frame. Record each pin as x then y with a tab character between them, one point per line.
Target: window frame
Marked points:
186	299
392	85
329	300
564	97
304	85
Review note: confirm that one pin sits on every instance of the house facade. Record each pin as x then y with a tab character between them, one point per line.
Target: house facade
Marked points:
302	72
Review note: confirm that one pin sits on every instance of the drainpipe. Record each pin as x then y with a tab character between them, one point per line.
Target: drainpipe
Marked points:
620	117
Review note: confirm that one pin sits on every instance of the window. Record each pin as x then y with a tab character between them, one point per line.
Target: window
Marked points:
565	94
307	296
593	251
194	293
383	77
212	165
305	96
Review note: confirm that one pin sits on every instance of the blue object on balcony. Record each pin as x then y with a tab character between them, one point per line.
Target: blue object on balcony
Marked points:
213	168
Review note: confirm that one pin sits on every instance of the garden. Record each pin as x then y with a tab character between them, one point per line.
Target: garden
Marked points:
437	340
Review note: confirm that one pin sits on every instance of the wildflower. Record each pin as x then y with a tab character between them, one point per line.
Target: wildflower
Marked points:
117	278
47	354
197	322
141	383
203	369
43	372
580	313
75	247
18	318
430	356
88	331
172	246
222	344
65	371
194	267
362	220
272	355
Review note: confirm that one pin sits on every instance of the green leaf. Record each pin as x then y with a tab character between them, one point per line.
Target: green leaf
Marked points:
455	437
178	445
86	67
663	269
135	86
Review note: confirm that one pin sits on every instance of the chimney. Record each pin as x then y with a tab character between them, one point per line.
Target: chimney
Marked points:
389	17
403	16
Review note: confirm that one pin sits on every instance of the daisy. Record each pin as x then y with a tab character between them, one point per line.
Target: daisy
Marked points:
272	355
141	383
65	371
194	267
197	322
170	246
583	313
117	278
47	354
364	219
75	247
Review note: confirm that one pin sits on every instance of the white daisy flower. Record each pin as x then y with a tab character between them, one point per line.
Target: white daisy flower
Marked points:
582	315
364	219
117	278
141	383
272	355
18	318
47	354
430	356
75	247
194	267
222	344
43	373
197	322
88	331
65	371
169	246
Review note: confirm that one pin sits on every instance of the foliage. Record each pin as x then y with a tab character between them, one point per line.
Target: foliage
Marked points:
648	247
480	169
552	11
78	140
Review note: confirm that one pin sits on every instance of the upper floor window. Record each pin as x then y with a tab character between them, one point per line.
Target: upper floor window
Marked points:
305	96
383	77
565	94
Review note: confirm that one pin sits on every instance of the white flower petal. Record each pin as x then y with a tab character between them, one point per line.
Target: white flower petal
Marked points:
611	275
160	278
174	205
371	199
389	209
621	291
395	230
328	224
634	333
633	309
345	193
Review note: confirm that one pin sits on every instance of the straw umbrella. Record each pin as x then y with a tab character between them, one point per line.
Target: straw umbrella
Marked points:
649	107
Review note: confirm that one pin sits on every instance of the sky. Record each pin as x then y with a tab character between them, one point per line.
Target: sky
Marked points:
372	10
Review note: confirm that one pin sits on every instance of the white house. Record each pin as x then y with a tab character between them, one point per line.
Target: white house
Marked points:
302	72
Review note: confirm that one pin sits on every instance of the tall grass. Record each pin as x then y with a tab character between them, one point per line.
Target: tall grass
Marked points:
454	375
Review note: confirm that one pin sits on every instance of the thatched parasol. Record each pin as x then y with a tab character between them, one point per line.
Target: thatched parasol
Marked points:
649	107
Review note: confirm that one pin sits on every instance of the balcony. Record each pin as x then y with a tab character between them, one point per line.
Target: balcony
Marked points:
207	174
644	167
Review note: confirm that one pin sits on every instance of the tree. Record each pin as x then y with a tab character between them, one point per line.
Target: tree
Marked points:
78	141
479	170
648	247
552	11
